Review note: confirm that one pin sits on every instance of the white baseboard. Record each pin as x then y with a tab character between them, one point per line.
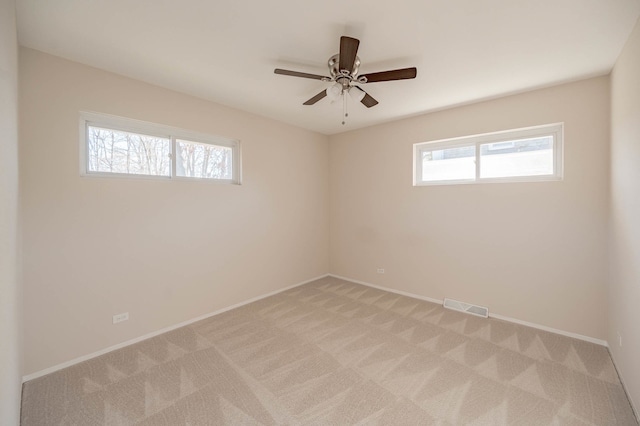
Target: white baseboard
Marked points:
552	330
624	387
83	358
155	333
391	290
496	316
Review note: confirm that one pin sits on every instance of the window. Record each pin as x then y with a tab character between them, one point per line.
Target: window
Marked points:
115	146
529	154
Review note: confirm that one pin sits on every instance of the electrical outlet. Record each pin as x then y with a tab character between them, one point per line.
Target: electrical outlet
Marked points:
619	339
120	317
381	270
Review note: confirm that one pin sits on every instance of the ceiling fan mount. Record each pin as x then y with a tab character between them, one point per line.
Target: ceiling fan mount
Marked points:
343	71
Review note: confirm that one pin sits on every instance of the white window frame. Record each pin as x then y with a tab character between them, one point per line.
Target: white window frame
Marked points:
555	130
123	124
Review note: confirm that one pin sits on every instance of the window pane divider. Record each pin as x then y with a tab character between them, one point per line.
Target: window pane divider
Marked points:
477	161
174	156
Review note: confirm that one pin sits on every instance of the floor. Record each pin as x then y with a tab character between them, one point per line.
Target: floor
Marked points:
336	352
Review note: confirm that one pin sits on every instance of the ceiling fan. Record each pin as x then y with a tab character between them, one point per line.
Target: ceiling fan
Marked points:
343	68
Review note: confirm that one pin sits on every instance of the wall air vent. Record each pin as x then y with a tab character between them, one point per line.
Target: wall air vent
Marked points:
480	311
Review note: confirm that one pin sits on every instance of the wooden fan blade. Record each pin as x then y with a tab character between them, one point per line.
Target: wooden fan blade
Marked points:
367	100
401	74
316	98
348	52
300	74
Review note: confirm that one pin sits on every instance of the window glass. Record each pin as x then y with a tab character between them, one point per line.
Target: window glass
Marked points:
525	157
115	151
449	164
200	160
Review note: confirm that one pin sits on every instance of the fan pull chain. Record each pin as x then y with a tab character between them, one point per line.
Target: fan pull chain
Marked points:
344	107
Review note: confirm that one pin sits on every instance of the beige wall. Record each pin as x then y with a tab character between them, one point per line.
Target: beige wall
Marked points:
164	251
624	287
10	354
535	252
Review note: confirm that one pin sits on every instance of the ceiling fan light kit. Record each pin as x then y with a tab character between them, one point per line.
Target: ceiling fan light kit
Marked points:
343	70
356	93
334	91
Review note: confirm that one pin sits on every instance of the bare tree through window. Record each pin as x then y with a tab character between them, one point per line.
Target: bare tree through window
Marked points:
115	151
203	160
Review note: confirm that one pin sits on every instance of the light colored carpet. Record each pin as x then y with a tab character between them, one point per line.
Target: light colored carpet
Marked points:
334	352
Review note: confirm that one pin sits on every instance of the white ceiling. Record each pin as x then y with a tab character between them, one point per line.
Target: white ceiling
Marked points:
226	50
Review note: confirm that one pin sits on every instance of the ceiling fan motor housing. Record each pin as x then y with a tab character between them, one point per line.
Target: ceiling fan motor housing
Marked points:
334	66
